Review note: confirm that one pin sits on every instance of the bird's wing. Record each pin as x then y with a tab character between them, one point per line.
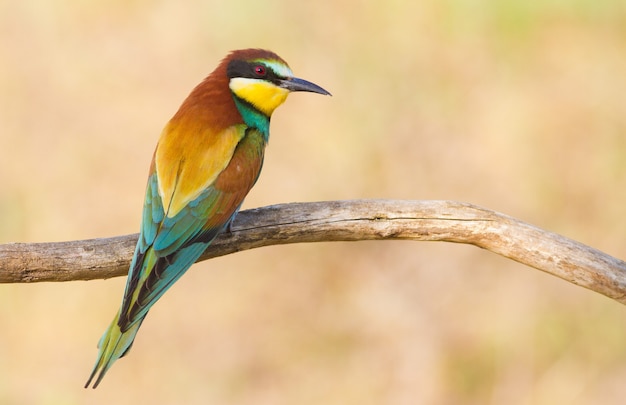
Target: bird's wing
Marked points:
170	252
170	244
189	159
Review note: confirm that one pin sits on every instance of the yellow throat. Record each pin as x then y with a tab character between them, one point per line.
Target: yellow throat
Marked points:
263	95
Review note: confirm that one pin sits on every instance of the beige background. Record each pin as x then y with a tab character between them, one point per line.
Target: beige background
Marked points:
513	105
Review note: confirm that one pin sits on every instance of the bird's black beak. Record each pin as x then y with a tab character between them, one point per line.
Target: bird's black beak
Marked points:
295	84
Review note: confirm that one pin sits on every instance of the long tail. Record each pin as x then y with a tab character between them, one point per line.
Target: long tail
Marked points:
113	345
149	278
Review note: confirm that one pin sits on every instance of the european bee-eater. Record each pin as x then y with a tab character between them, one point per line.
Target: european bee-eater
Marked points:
207	159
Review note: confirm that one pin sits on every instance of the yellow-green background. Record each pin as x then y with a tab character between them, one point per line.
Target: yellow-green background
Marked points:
515	105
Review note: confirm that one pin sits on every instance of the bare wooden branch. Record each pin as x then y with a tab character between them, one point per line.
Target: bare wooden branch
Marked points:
339	221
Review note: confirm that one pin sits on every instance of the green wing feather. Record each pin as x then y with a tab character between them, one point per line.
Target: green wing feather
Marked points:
164	252
168	246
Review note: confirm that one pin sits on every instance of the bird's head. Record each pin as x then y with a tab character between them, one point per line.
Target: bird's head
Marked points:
263	79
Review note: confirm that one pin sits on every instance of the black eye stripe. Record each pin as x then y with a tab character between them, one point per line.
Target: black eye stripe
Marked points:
240	68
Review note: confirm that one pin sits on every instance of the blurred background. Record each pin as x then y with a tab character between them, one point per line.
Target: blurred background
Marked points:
513	105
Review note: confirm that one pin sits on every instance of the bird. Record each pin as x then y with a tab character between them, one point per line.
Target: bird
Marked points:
208	157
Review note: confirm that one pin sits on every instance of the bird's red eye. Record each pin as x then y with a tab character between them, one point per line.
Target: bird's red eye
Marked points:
260	70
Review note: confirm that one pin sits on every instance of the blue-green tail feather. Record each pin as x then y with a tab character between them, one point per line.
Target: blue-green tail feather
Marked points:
113	345
119	337
167	247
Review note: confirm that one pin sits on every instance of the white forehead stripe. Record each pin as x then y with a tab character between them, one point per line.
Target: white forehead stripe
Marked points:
278	68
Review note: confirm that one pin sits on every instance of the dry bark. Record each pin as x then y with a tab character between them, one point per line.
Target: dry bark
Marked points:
354	220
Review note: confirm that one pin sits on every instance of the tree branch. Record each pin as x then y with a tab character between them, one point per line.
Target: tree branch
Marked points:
339	221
